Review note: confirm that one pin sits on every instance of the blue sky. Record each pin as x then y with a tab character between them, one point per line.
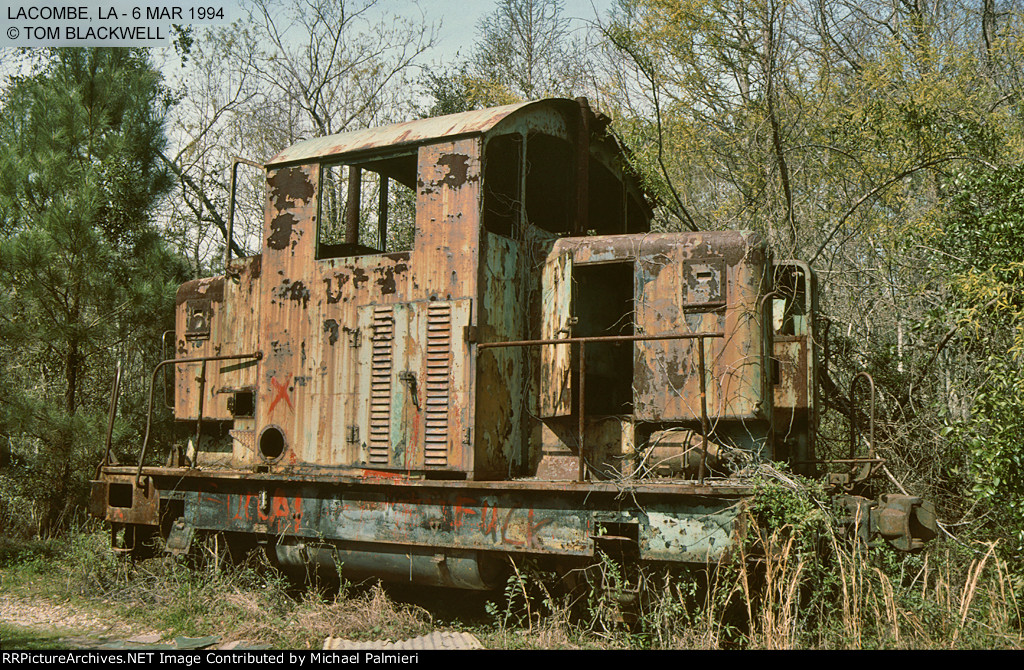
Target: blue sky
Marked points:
461	17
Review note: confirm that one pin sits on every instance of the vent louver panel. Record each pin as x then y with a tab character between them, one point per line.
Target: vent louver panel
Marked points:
438	383
382	365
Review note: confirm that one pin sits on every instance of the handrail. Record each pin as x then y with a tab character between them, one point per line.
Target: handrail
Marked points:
152	385
115	394
229	233
871	416
582	342
169	403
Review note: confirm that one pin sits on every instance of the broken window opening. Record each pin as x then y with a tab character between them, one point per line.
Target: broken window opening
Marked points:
367	208
551	193
606	205
503	185
550	196
789	309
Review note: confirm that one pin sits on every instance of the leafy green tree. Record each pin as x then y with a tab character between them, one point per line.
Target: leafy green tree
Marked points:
83	272
982	238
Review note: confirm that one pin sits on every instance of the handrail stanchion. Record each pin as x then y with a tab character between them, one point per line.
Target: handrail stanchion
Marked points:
581	421
114	395
703	411
152	386
199	417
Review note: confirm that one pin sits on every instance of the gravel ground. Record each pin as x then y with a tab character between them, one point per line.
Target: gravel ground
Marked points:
75	626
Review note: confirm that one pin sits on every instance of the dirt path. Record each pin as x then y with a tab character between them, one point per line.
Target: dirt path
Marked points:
91	628
74	626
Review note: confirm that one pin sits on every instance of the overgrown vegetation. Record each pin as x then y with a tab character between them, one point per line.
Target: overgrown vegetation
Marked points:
204	595
799	583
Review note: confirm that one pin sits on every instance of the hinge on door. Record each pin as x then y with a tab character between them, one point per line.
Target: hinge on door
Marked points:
353	337
353	434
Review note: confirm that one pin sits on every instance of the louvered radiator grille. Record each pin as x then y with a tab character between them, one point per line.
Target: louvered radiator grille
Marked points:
383	341
439	362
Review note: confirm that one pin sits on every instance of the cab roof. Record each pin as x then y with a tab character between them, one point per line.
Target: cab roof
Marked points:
476	122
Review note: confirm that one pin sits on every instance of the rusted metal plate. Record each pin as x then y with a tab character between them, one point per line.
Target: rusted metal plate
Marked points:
119	500
501	374
290	395
794	350
412	399
476	520
229	307
702	283
327	326
698	531
792	391
556	323
689	282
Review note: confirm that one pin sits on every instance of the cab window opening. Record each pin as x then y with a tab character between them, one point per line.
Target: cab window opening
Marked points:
367	208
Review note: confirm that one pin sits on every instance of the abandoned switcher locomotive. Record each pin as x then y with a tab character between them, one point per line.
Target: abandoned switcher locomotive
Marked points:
462	341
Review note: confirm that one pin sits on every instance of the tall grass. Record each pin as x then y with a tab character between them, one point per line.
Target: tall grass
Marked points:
783	590
853	597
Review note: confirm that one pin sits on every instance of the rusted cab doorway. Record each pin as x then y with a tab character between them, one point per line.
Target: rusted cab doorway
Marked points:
602	306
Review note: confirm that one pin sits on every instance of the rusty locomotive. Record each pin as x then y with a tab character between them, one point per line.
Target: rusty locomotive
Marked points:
462	342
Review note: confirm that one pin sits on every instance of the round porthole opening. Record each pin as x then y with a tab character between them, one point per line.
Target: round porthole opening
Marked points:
271	443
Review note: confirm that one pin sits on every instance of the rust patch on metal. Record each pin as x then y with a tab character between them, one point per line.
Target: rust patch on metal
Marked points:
387	280
458	170
335	296
282	228
288	186
295	291
210	289
253	265
331	328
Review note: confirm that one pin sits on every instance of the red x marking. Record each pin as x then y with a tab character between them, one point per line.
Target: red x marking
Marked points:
282	392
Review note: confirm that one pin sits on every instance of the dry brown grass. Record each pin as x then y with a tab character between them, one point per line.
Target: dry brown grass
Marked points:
851	602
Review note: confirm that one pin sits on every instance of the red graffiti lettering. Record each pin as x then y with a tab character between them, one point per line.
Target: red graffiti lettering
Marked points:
287	514
281	508
241	507
489	521
463	506
532	540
